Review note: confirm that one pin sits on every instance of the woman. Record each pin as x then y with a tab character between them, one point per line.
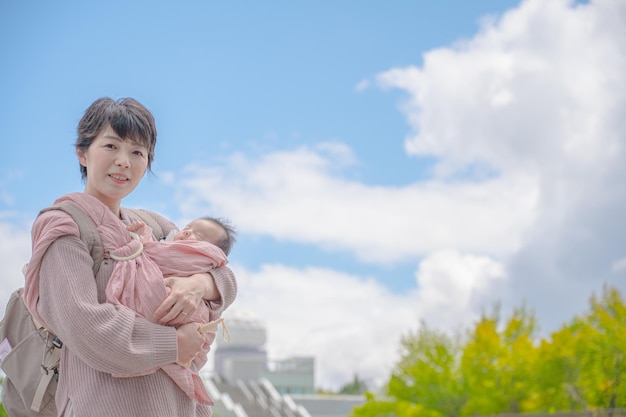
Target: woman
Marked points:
115	148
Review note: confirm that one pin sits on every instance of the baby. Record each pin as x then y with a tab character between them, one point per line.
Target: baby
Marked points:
214	231
208	229
139	285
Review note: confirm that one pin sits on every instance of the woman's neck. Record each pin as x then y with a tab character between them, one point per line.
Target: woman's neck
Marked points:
112	204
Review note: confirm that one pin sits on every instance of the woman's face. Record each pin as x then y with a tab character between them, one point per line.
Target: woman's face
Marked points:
114	167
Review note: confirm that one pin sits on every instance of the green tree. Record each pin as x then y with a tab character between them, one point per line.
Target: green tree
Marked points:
583	364
356	387
392	407
425	381
600	350
503	367
559	371
497	365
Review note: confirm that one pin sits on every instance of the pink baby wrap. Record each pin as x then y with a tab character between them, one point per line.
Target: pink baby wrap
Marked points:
136	283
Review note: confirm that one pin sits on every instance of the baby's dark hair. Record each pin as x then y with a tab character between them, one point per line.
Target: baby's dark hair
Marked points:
230	233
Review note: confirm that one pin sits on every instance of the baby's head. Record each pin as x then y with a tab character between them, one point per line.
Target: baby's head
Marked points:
209	229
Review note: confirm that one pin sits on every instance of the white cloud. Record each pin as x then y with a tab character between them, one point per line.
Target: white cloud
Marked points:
362	86
540	92
619	265
14	253
167	177
535	90
340	154
536	100
351	324
299	196
6	197
331	315
454	287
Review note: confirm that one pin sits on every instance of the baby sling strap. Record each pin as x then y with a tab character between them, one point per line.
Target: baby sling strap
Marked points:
89	234
28	388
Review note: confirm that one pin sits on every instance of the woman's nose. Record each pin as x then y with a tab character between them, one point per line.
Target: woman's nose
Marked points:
123	161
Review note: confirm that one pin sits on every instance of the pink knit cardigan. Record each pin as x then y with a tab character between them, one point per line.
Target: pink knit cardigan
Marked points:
136	283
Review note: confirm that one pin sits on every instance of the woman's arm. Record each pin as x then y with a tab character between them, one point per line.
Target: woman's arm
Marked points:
186	293
226	284
109	338
218	288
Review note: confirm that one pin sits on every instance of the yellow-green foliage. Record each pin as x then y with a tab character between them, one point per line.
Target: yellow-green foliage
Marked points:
503	367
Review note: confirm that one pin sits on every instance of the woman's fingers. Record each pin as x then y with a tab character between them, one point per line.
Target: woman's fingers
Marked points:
178	305
164	312
190	343
182	300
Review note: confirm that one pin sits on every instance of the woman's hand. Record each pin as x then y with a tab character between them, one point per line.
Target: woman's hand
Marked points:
186	293
190	342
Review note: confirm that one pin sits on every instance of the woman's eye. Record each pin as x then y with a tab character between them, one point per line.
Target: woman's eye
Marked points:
138	153
109	146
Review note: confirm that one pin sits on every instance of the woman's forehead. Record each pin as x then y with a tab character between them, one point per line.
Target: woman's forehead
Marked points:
131	135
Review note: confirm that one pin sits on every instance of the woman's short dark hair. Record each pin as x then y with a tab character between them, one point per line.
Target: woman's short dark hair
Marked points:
127	117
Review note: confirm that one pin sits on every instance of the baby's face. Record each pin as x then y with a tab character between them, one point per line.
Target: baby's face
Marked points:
201	229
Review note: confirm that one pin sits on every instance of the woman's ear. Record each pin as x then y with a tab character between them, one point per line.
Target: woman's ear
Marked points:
81	156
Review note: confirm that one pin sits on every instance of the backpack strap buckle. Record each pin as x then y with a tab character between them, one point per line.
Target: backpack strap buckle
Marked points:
56	342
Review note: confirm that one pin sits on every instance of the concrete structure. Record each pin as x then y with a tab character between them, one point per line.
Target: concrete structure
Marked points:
245	383
243	356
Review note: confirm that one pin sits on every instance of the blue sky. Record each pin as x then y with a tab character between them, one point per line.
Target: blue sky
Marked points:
383	162
219	79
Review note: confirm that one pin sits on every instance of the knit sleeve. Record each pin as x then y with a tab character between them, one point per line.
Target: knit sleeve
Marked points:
108	338
226	284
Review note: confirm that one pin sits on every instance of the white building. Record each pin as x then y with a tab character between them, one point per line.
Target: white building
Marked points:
245	383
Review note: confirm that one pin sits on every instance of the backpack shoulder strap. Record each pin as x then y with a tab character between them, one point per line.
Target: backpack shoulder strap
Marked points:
88	232
157	230
51	344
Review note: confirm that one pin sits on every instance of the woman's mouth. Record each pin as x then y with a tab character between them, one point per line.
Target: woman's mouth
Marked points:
118	178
